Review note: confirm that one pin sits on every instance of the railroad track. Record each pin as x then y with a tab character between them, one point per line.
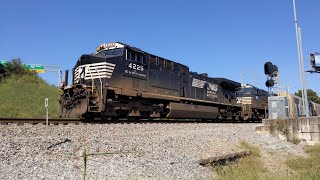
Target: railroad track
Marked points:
5	121
56	121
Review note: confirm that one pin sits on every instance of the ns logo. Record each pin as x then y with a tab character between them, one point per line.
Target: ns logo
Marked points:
212	87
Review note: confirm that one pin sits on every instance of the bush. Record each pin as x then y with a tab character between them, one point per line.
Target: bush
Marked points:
14	67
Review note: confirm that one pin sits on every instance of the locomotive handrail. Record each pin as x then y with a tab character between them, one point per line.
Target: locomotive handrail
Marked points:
99	80
100	85
91	79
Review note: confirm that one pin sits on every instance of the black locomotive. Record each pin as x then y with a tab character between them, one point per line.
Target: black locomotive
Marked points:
121	81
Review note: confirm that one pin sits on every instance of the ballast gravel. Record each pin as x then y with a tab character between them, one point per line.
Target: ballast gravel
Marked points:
140	151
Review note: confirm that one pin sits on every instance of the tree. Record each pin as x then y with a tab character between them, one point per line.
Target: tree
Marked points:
14	67
312	95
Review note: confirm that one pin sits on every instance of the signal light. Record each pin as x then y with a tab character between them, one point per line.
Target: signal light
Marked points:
272	72
270	69
267	68
270	83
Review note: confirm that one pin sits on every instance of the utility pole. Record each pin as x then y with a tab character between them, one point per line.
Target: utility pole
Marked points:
242	73
301	62
255	80
278	82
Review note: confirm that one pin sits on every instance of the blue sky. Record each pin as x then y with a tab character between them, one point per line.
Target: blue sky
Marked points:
222	38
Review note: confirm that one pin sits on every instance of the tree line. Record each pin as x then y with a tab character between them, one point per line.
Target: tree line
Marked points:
312	95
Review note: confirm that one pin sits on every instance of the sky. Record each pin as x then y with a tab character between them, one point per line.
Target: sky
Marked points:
225	38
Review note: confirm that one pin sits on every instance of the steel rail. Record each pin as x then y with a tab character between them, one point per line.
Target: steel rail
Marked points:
66	121
39	120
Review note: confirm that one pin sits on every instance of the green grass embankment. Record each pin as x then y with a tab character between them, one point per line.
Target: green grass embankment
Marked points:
23	96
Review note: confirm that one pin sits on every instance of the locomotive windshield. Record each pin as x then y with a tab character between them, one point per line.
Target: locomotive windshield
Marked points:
111	52
243	92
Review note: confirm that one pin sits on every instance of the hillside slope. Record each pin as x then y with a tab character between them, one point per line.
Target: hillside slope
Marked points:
23	96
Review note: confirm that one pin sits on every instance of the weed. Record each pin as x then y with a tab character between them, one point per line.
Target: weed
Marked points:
283	127
249	167
307	167
295	140
84	162
86	155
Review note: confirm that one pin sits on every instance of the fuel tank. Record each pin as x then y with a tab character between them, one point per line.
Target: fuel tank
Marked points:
190	111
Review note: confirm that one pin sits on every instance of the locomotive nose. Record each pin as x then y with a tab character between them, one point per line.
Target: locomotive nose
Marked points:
89	59
84	59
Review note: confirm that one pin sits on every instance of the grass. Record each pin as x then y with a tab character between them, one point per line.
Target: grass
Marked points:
251	167
23	96
247	168
307	167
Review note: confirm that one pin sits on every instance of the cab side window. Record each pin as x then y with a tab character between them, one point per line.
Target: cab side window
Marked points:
153	60
132	56
183	70
169	65
135	56
161	62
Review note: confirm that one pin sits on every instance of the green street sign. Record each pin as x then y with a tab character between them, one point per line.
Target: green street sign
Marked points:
3	62
39	68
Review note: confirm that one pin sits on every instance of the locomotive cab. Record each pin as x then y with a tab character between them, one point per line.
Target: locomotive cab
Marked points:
92	72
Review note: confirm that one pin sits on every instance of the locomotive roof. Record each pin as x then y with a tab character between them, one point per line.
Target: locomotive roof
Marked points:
251	86
227	83
142	51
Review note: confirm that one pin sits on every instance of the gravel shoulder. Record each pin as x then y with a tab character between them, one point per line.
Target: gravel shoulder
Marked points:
157	151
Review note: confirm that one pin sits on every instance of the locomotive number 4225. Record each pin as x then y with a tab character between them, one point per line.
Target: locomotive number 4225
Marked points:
136	66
